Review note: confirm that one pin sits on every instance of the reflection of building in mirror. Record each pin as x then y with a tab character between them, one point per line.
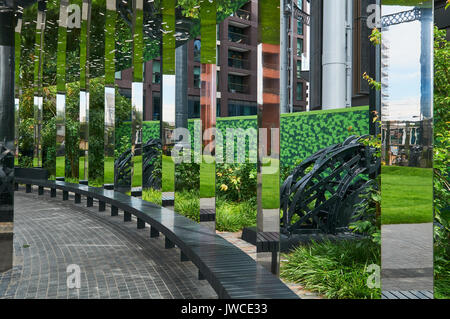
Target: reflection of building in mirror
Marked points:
407	143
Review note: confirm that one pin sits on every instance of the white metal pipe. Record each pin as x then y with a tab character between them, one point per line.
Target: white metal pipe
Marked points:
334	55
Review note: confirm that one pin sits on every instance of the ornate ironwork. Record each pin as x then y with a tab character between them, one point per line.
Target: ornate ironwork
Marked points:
322	192
151	166
401	17
6	171
299	14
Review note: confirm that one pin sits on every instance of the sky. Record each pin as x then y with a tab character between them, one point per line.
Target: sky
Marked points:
403	41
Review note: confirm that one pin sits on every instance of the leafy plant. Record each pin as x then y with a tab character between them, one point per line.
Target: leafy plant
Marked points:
367	220
336	269
441	181
236	182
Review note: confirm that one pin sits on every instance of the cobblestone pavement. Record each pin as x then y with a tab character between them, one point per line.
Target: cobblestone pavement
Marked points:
116	259
407	257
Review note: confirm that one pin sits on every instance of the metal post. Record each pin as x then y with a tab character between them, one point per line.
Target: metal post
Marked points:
6	137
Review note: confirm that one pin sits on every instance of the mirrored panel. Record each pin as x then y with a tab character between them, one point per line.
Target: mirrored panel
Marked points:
17	82
61	90
84	91
38	90
407	146
268	98
168	101
208	98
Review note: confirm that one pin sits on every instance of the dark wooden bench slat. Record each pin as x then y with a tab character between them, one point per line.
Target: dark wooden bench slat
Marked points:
230	271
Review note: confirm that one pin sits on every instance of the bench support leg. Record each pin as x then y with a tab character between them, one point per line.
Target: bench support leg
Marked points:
41	190
153	232
274	264
183	257
140	223
90	202
126	217
101	206
200	276
114	211
65	195
16	186
168	244
28	188
52	192
77	198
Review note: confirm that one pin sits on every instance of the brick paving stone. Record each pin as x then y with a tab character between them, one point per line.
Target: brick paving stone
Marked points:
116	259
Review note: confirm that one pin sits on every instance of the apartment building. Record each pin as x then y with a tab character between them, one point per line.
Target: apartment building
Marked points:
237	38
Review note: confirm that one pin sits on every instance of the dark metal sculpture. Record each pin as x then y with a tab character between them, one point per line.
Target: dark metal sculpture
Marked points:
151	166
322	193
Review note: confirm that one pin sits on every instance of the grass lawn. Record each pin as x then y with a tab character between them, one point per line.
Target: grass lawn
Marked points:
336	270
230	216
406	195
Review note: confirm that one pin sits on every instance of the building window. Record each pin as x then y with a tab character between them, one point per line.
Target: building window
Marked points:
118	75
197	81
217	107
218	81
299	69
299	28
240	108
299	47
193	107
237	35
197	48
156	72
299	92
300	4
236	84
156	106
236	60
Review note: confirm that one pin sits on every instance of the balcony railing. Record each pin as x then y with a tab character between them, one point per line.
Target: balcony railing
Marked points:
237	87
238	63
242	14
238	37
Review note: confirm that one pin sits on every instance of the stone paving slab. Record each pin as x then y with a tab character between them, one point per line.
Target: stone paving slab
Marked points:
407	257
116	259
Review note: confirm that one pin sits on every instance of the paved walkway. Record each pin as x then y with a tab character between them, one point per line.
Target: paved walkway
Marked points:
116	259
407	257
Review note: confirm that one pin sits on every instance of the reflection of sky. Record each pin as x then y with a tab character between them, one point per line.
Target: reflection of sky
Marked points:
168	99
404	67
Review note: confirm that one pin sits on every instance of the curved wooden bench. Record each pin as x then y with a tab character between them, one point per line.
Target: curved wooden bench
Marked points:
230	271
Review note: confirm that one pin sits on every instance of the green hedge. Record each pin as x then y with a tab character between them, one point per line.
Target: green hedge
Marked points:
302	134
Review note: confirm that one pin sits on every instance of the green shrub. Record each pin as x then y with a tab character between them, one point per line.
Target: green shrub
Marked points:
233	217
337	270
441	181
236	182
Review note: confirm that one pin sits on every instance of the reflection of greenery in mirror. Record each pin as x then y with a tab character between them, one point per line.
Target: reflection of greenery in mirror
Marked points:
411	207
168	94
110	27
137	94
96	60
